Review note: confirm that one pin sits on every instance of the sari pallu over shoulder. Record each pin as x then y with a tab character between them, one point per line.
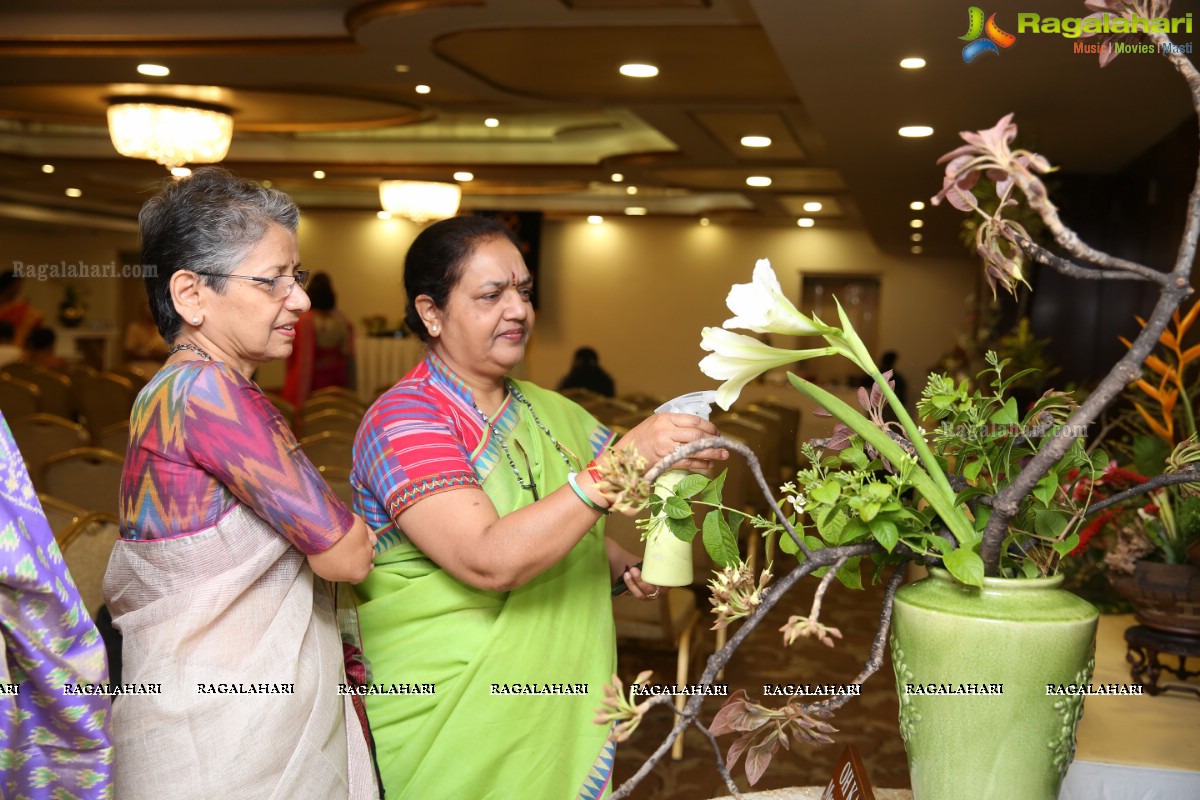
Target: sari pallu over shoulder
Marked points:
491	695
246	661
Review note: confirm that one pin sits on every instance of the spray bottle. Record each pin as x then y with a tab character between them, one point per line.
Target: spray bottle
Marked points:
668	559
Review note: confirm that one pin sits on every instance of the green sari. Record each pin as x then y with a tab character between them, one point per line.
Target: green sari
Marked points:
517	676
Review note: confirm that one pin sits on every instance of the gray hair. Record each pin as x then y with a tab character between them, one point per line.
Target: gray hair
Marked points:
206	222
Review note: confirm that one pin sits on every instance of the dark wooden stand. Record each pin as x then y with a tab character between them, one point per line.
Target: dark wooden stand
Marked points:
1147	644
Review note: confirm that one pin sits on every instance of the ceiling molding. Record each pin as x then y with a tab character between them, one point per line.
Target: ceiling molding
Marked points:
165	46
364	14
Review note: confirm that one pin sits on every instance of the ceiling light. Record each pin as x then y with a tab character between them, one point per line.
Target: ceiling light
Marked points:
617	177
758	180
401	68
916	223
916	237
492	122
812	206
383	214
153	70
756	141
319	174
595	219
917	205
916	249
635	211
464	176
47	168
420	201
73	192
915	131
421	88
180	172
912	62
631	190
639	70
806	222
171	132
704	222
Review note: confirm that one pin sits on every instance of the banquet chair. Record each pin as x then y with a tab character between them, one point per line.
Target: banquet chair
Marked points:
644	400
772	455
672	621
139	376
789	432
607	409
330	421
335	391
40	436
86	547
329	449
338	479
332	402
60	514
54	388
580	393
764	446
18	398
285	408
86	476
113	437
105	398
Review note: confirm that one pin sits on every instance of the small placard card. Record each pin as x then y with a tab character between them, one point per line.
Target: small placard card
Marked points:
850	781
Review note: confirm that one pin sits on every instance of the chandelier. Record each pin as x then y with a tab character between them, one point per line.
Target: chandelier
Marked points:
171	132
420	201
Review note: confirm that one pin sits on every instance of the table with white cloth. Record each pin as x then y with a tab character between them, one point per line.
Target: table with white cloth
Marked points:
382	360
1133	747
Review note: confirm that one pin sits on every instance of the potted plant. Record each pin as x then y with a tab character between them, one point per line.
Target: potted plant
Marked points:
991	493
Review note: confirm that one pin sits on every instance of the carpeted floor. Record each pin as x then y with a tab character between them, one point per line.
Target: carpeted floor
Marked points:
869	722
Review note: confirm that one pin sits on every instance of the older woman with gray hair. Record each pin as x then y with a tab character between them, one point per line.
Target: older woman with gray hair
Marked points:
229	641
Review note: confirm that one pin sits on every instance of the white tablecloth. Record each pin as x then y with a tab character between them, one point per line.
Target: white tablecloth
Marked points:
381	361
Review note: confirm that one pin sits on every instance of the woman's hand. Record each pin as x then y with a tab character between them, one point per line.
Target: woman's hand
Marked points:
350	558
621	568
661	434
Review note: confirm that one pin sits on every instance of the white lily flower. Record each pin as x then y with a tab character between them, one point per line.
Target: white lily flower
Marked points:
761	306
738	359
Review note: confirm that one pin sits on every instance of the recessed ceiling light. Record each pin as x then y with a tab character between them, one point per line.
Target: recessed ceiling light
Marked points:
635	211
639	70
492	122
917	205
180	172
421	88
319	174
704	222
913	62
756	141
916	223
915	131
758	180
267	184
806	222
73	192
916	249
383	214
631	190
153	70
617	177
595	219
402	68
916	237
464	176
812	206
47	168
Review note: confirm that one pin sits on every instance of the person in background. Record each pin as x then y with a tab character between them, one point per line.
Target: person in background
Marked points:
40	349
492	566
225	525
17	312
52	744
324	351
586	373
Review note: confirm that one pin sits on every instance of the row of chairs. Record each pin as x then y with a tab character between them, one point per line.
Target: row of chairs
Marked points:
96	399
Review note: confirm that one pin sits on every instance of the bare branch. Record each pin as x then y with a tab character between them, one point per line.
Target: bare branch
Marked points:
1129	271
724	770
1191	474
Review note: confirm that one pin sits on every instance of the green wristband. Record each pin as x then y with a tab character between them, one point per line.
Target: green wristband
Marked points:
593	505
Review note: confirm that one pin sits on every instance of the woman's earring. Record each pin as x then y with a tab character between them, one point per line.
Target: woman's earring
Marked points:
434	329
195	320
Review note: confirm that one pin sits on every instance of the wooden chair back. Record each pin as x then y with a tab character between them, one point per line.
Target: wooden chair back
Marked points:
329	449
54	388
41	436
86	547
18	398
86	476
106	398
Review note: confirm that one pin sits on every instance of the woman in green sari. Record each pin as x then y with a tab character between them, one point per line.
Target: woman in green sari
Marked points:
487	621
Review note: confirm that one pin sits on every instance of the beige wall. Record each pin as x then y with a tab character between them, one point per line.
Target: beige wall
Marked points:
637	290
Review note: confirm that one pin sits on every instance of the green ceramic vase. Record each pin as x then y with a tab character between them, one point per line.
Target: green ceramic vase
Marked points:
972	669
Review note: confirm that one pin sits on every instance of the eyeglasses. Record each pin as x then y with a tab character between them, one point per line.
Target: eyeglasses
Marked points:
280	285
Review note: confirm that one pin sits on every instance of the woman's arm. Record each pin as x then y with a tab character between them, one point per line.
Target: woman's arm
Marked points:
350	558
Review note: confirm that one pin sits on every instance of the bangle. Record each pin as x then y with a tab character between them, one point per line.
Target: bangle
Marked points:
589	502
593	469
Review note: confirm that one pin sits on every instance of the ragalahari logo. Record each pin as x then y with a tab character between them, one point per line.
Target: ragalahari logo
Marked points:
976	27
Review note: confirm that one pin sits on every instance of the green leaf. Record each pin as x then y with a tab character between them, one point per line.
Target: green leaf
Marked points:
677	508
1006	414
850	575
719	540
885	532
830	526
691	486
712	492
966	566
827	492
867	511
1046	488
855	457
1050	522
972	469
1064	547
683	529
787	544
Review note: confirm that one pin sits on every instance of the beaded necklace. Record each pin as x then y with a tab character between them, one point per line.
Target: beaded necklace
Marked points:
191	347
562	450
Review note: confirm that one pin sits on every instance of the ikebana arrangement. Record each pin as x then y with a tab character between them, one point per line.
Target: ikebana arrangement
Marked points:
991	496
